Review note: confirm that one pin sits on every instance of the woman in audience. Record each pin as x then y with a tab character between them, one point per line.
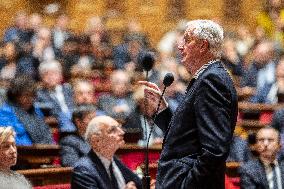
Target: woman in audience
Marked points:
19	112
8	153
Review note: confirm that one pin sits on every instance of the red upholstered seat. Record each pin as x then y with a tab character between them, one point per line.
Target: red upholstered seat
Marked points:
232	182
57	186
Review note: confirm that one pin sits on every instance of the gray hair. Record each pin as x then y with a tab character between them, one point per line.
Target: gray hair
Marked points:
210	31
49	65
93	128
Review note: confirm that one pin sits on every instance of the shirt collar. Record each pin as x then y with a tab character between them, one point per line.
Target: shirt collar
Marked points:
203	68
106	162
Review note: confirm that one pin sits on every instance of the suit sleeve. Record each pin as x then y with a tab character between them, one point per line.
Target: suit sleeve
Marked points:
213	109
81	178
163	119
69	156
246	181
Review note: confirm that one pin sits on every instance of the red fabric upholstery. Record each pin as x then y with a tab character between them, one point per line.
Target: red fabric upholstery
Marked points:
266	117
232	182
57	186
134	159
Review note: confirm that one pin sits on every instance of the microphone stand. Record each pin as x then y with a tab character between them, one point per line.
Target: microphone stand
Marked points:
146	176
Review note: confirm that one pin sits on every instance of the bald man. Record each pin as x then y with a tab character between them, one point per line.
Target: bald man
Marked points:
100	169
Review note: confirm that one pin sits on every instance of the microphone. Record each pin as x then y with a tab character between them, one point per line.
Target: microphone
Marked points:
168	80
146	59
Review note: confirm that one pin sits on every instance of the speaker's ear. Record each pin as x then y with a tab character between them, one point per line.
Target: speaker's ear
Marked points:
204	45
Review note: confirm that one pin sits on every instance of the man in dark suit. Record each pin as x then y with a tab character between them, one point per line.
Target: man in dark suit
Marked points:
267	171
55	95
198	134
73	145
100	168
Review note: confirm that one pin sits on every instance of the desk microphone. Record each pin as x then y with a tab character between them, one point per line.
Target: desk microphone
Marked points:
168	80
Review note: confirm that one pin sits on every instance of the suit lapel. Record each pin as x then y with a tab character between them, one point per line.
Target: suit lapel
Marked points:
100	168
262	175
281	166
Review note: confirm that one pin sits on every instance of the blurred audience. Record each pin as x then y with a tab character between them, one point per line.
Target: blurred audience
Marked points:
43	49
118	103
261	70
18	32
272	93
20	113
56	94
135	123
60	31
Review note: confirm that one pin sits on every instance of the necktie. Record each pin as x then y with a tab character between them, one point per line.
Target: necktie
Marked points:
112	178
274	176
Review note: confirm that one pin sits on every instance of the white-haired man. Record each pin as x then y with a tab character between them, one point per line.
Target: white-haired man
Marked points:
198	134
55	95
100	168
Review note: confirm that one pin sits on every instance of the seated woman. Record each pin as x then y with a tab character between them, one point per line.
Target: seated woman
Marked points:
20	113
8	153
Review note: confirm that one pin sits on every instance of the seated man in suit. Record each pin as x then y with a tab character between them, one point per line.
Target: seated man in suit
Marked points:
267	171
239	150
100	168
73	145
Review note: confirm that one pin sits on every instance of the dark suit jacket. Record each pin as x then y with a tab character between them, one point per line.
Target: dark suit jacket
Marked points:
89	173
239	150
73	147
107	101
134	126
278	120
44	96
253	175
261	94
198	135
64	119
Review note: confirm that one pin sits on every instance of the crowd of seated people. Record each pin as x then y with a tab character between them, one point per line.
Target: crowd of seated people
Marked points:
20	113
38	62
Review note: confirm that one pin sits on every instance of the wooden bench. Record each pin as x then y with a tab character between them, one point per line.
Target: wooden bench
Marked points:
37	155
48	176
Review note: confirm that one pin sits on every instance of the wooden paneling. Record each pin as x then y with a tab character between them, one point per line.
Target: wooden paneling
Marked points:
155	16
8	8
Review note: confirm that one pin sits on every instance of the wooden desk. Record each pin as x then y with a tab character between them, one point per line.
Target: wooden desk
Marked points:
48	176
130	148
251	125
248	106
232	169
37	155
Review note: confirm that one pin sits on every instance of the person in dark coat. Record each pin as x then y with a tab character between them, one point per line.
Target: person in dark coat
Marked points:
73	145
100	168
266	171
23	115
198	134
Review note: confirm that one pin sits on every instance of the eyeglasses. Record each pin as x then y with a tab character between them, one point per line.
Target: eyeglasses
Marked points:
115	128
